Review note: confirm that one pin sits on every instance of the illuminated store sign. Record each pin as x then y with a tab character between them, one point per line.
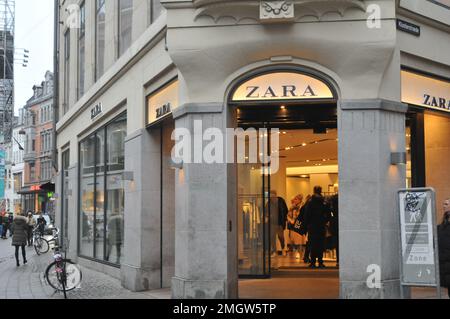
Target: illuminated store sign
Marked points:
283	86
425	91
162	103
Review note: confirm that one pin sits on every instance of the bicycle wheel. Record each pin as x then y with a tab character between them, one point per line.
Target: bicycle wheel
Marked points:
41	246
54	276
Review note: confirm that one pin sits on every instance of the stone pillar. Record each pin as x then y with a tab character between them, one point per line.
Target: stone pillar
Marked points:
205	245
73	196
58	202
369	130
141	267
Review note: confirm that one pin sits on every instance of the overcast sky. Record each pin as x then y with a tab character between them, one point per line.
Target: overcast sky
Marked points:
34	32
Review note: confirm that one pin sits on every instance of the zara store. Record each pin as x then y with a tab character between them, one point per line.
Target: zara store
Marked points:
133	210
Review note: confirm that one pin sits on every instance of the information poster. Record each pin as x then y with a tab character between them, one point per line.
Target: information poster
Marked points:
417	223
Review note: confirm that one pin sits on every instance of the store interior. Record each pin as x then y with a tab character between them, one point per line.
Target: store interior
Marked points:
428	148
308	157
306	160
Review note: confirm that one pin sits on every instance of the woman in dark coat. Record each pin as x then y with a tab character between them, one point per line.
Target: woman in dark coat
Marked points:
20	236
444	247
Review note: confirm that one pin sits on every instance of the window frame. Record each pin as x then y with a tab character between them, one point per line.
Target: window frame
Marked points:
97	74
81	73
122	117
66	71
120	50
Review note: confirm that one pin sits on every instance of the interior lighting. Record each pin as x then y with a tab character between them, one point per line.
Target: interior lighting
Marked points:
398	158
176	164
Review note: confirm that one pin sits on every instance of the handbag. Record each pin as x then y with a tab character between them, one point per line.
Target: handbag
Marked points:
298	227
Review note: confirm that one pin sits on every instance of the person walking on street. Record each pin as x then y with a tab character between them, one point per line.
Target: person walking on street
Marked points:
2	222
444	247
41	223
31	224
10	222
7	222
20	231
317	216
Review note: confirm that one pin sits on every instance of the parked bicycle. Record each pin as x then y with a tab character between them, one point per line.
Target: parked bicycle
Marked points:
63	274
41	244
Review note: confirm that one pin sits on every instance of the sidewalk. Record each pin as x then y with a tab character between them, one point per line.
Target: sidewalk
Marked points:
27	281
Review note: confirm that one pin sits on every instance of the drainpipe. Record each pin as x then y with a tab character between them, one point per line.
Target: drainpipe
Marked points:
55	83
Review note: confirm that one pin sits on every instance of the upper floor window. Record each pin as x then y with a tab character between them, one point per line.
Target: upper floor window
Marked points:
81	50
66	70
445	3
100	21
125	24
154	10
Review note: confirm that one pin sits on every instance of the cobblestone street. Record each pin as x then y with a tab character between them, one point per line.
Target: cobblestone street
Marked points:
27	281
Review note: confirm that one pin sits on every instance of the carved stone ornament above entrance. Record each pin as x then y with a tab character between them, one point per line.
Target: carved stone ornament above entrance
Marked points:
260	11
276	11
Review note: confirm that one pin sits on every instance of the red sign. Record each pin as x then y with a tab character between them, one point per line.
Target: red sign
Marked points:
36	188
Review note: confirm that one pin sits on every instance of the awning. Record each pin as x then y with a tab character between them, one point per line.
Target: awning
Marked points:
49	187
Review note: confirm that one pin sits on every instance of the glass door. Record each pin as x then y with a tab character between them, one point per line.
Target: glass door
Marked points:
253	213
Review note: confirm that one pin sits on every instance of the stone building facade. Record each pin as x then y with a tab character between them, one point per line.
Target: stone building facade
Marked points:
38	143
132	71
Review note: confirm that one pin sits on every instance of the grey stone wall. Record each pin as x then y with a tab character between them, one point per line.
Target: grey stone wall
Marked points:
369	130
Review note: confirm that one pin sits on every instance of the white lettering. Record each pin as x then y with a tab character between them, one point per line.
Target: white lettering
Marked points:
374	19
374	279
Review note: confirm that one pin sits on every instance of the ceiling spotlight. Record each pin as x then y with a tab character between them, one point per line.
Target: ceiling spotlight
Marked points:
283	107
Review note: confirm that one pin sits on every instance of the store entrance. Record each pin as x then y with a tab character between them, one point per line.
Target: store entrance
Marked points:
307	151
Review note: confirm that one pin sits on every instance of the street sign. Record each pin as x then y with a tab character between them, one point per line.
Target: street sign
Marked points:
419	254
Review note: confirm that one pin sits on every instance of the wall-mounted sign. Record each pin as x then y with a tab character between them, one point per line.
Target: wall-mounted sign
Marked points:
425	91
419	259
283	86
35	188
408	27
162	103
96	111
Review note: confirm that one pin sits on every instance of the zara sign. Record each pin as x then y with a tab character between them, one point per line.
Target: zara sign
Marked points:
283	86
425	91
96	111
162	103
